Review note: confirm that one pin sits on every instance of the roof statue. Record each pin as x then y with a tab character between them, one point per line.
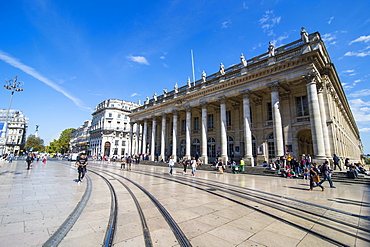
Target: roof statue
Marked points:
204	76
189	83
242	59
147	100
155	96
271	49
222	69
176	88
304	35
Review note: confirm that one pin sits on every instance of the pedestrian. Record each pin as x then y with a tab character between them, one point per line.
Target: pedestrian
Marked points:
29	161
242	164
123	163
171	163
220	166
325	171
193	166
81	166
185	163
314	177
129	162
336	162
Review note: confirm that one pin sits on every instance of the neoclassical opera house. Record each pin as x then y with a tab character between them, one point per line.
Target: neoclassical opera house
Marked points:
289	100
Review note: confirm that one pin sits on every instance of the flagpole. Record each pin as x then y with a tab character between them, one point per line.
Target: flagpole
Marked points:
192	65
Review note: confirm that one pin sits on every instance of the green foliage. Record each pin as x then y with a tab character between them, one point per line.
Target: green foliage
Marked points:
62	144
35	143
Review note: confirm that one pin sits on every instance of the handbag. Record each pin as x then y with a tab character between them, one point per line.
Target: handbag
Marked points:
316	178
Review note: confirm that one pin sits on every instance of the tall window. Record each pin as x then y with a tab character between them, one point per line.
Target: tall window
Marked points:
271	146
110	114
302	106
183	125
196	123
269	111
210	121
228	118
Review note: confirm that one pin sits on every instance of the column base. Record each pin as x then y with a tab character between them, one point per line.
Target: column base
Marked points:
249	160
204	159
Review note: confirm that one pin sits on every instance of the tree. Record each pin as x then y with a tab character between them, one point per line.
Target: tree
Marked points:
62	144
34	144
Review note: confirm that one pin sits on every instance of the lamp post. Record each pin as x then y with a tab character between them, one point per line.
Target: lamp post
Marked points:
14	86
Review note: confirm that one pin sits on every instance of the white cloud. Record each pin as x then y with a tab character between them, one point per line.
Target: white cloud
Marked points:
361	93
162	57
330	20
245	6
361	39
364	129
138	59
268	21
134	94
360	110
225	24
357	54
32	72
349	71
328	37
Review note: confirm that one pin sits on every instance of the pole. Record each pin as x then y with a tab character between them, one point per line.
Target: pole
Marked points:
192	65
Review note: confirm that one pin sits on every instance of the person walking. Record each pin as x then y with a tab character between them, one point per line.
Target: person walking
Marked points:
336	162
29	161
171	163
123	163
81	166
193	166
314	177
129	162
327	174
242	164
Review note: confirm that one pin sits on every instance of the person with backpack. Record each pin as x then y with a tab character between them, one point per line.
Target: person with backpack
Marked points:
29	161
325	171
129	162
336	162
81	166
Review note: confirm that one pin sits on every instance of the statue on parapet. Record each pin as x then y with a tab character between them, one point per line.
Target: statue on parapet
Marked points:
176	87
147	100
304	35
189	82
204	76
155	96
222	69
271	49
242	59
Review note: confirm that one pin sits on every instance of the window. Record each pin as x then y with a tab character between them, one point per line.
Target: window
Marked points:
119	116
269	111
183	125
110	115
123	143
302	106
228	118
112	105
196	123
210	121
124	117
271	146
116	142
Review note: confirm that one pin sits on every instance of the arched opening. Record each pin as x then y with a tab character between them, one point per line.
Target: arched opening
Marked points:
182	148
107	149
230	147
195	148
305	145
211	148
271	146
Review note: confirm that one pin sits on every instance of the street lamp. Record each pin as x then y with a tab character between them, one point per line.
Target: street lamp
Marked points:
15	86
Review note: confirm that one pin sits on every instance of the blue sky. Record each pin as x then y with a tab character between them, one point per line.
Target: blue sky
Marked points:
72	55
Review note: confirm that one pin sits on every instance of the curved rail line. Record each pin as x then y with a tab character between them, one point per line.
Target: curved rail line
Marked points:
213	191
111	228
180	236
62	231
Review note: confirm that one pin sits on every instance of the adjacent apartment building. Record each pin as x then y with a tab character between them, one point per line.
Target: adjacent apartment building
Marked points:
288	100
16	132
110	128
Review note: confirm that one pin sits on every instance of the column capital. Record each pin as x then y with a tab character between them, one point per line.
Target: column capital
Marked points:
245	93
187	108
310	77
274	86
222	99
204	104
320	87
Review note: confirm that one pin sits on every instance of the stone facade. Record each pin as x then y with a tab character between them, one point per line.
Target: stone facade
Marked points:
17	129
109	131
289	102
80	138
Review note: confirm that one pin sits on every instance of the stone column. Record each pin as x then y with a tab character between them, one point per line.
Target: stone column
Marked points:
130	145
320	94
223	129
163	137
174	135
154	125
144	136
138	131
315	116
247	129
204	150
276	118
188	126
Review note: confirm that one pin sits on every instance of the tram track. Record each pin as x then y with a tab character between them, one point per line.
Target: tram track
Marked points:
213	188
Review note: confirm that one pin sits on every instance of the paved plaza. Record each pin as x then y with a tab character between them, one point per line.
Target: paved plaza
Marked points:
34	204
